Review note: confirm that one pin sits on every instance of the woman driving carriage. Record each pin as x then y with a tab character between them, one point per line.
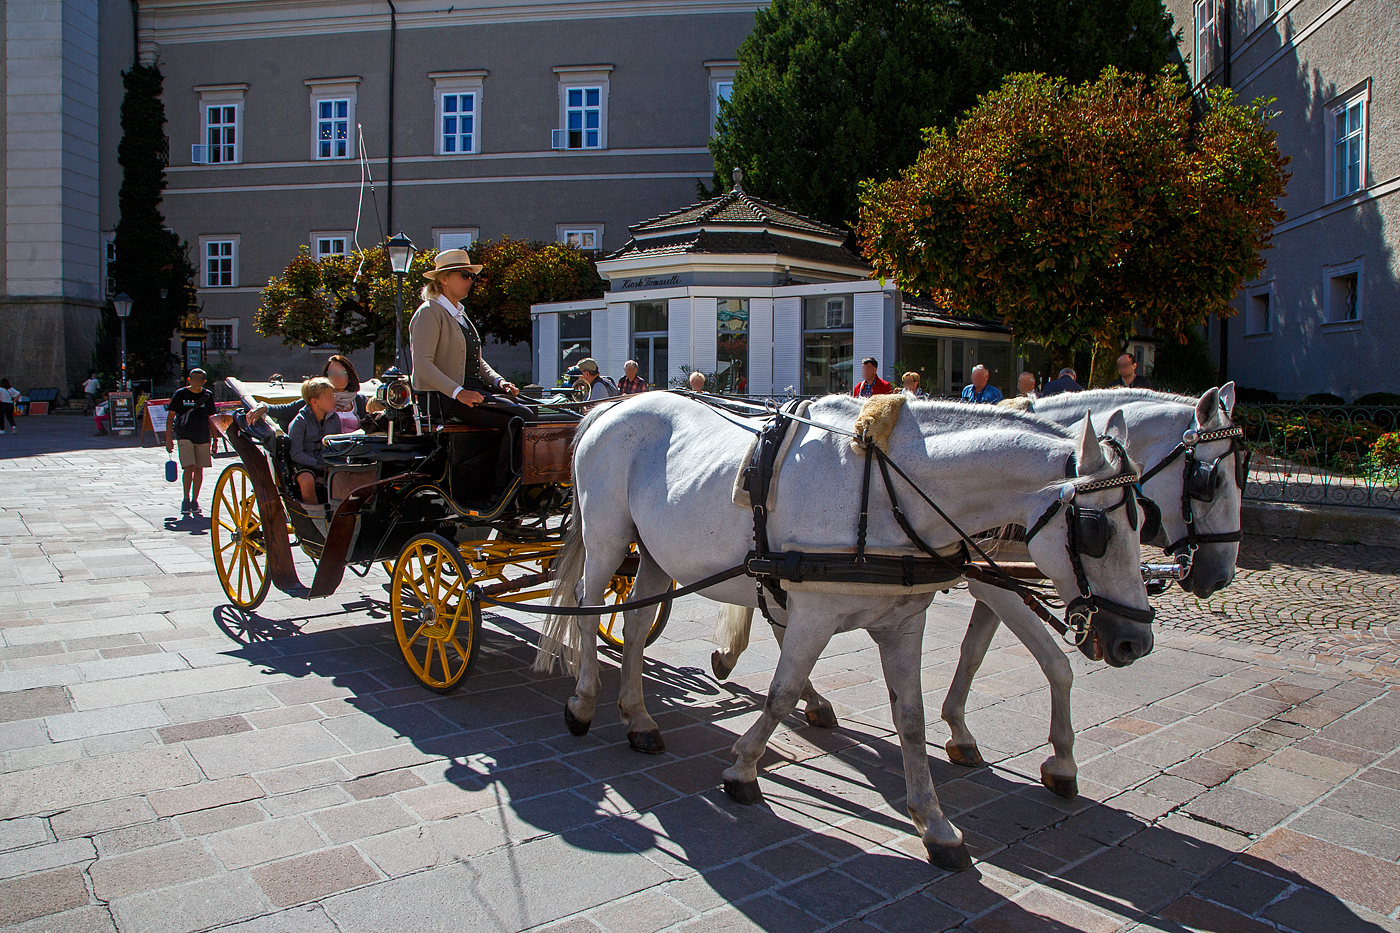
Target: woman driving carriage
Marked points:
448	365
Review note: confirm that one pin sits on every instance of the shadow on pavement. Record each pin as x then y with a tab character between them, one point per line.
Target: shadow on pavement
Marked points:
509	754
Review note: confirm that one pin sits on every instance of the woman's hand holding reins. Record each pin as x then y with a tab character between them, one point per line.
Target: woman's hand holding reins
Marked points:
469	397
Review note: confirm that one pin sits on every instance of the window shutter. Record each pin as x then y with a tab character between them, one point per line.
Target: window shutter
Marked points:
869	336
598	349
704	332
198	154
619	338
761	346
549	350
787	345
558	139
678	338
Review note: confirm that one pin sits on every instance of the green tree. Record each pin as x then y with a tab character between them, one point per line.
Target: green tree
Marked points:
1072	211
831	92
348	301
148	256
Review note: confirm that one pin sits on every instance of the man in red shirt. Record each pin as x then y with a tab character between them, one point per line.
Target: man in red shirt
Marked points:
872	384
631	383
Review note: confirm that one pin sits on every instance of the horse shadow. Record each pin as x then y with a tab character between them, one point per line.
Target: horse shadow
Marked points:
830	842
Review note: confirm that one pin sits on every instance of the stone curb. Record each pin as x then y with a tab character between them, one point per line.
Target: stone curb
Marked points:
1337	524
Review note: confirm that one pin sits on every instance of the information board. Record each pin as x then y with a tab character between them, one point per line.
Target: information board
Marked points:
155	418
122	409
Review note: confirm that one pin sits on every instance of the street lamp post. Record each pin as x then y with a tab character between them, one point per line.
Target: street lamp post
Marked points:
122	304
401	254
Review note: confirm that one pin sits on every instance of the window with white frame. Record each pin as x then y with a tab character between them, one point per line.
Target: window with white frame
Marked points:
581	237
1341	293
1207	37
220	261
583	107
1259	311
333	117
461	238
1257	13
329	244
221	125
721	86
223	334
1347	129
457	103
109	262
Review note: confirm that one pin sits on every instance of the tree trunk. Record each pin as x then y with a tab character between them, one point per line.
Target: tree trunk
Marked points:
1105	366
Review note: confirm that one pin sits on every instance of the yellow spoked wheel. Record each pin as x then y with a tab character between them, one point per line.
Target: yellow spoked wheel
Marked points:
236	531
610	626
433	621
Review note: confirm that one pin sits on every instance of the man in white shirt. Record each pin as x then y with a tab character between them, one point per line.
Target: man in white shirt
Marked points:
90	389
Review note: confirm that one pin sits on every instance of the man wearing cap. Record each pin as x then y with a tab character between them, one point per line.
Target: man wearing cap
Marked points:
599	386
447	359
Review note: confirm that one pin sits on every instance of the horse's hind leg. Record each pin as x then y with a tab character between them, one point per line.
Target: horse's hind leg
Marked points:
732	633
604	556
817	707
901	649
642	732
962	747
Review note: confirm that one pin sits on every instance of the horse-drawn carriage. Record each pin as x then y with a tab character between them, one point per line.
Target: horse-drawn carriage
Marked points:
410	509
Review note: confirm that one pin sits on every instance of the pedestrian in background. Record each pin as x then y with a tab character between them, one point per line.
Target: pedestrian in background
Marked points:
1065	383
187	421
599	386
630	383
981	392
911	385
90	389
697	382
1025	385
1127	375
871	383
8	398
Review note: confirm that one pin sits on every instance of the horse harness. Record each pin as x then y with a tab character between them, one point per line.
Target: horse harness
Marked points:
1200	479
1088	533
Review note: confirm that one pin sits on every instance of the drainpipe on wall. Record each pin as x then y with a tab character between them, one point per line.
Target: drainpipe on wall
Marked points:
135	31
389	172
1228	10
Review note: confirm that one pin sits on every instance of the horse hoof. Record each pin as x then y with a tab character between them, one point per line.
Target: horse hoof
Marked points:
648	743
949	858
722	670
1066	787
823	717
966	755
745	792
577	727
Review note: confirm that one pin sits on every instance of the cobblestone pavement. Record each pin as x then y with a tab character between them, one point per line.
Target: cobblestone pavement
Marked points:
171	765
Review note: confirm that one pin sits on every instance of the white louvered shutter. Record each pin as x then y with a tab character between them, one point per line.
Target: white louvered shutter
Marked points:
787	345
619	339
598	331
869	336
761	346
704	334
677	338
548	350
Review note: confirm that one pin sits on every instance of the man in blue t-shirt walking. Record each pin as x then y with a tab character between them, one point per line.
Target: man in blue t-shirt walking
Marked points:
980	393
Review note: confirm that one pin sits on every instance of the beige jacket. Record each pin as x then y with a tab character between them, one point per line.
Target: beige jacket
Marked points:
439	350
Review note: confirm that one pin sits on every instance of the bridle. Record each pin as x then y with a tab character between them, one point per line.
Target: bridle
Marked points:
1088	531
1200	479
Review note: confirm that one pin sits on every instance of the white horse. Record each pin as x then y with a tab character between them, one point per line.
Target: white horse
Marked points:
659	471
1157	426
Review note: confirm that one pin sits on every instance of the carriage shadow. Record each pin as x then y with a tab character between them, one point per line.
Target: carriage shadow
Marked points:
829	843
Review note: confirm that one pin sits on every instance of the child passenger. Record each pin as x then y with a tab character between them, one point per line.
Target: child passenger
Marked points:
311	424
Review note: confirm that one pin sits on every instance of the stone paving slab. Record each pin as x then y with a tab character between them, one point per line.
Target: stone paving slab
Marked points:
171	765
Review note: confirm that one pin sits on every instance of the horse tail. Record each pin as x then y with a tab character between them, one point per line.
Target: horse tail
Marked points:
560	637
732	633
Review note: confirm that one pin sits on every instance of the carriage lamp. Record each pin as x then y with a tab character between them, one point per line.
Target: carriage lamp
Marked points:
401	254
122	304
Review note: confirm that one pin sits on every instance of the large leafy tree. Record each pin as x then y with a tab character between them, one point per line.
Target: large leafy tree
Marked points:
148	256
1073	211
832	92
348	301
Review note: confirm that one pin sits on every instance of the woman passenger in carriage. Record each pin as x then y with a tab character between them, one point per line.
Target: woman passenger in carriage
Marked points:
355	411
447	360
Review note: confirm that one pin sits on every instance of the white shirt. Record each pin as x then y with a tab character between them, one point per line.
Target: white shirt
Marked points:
91	386
9	395
459	315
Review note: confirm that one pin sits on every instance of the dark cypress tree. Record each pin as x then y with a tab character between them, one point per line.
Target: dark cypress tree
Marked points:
149	257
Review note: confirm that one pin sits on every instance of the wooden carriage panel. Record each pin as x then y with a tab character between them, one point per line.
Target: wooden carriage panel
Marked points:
545	453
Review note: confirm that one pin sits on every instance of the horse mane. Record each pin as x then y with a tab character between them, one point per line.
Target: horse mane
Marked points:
1121	396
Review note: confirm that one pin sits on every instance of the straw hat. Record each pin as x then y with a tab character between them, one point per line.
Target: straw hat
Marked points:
450	260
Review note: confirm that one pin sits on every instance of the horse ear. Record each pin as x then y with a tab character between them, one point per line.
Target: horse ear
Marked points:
1227	397
1090	457
1117	427
1208	408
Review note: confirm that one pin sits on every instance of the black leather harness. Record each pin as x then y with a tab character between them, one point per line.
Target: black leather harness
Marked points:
1200	479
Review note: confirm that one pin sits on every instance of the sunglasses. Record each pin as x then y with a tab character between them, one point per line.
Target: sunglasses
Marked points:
467	274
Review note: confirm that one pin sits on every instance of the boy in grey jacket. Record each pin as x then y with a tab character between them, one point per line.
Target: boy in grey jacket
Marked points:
307	429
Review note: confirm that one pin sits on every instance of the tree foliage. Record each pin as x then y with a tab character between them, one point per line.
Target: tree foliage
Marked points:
148	256
348	301
831	92
1069	211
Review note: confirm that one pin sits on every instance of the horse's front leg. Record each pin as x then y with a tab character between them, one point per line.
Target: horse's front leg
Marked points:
817	708
642	732
901	649
962	746
1059	773
807	636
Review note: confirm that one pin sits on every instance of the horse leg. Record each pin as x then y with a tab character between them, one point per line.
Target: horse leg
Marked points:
732	633
602	562
901	649
802	648
962	747
642	732
817	708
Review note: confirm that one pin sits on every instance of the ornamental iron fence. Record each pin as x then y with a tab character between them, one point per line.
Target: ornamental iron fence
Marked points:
1323	454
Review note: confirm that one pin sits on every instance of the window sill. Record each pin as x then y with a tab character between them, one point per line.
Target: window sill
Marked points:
1260	337
1332	327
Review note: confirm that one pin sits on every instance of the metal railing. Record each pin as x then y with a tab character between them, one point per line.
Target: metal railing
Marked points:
1323	454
